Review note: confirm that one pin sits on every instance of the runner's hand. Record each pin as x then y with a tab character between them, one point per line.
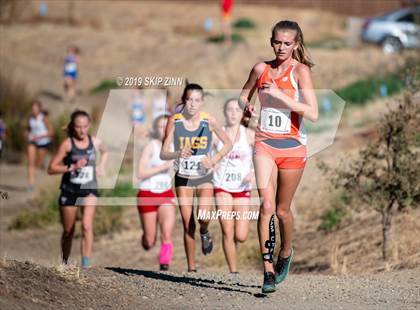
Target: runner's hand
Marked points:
81	163
271	94
185	152
207	162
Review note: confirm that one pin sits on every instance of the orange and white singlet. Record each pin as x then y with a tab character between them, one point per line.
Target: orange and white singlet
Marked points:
277	122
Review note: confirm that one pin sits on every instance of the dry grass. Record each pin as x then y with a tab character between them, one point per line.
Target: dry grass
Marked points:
68	272
173	46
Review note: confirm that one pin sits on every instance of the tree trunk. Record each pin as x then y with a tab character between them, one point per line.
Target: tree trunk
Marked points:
386	232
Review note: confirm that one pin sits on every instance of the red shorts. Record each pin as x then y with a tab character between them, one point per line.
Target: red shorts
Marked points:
290	158
244	194
148	201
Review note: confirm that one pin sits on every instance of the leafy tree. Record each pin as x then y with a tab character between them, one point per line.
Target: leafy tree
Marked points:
385	176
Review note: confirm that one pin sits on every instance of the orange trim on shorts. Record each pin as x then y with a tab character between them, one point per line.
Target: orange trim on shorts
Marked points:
290	158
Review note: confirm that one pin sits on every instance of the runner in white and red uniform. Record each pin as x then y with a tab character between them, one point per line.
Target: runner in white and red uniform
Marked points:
155	198
232	181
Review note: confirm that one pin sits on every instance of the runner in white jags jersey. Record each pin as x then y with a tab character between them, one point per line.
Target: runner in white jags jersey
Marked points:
191	132
76	160
232	182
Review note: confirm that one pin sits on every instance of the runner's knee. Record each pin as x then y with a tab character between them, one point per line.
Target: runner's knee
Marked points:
283	213
68	232
241	237
147	242
87	228
267	208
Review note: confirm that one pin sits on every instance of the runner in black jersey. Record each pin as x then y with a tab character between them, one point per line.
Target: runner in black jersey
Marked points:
76	160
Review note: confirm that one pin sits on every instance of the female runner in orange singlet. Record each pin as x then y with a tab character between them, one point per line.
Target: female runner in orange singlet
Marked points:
286	93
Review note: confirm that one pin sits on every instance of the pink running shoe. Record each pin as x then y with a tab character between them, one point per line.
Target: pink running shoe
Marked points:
165	255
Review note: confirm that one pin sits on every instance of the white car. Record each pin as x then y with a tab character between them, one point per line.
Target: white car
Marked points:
394	31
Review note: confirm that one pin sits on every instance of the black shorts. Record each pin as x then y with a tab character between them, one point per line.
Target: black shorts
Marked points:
181	181
41	146
69	198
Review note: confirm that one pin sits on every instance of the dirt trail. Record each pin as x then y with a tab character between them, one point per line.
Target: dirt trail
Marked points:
28	286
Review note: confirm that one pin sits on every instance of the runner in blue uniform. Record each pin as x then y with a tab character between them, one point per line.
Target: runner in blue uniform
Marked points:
191	132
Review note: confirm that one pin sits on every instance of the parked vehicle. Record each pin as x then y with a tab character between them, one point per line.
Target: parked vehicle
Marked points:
395	30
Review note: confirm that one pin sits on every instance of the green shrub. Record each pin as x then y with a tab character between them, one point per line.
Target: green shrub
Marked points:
331	219
104	85
244	23
362	91
33	219
107	218
236	38
41	217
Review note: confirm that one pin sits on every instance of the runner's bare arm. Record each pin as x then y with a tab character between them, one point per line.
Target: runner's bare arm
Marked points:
49	127
215	139
221	134
166	153
56	165
144	171
250	85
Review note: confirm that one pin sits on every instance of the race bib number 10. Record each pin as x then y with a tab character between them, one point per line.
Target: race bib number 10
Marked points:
275	120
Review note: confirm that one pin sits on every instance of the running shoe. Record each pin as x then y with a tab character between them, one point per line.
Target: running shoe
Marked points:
282	267
164	267
206	243
86	263
269	285
165	256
